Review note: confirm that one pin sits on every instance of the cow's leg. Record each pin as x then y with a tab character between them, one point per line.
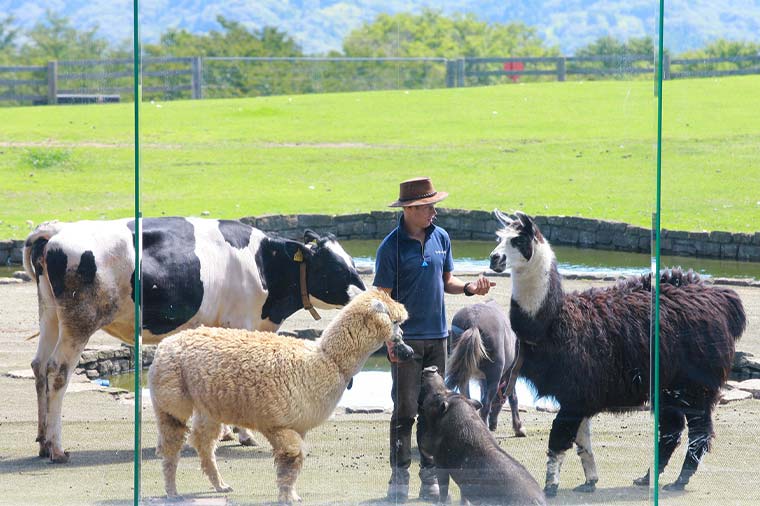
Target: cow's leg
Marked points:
171	437
583	443
203	437
45	346
564	430
287	446
59	369
672	423
701	433
245	437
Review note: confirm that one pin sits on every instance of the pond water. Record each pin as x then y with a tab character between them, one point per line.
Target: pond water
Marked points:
371	388
473	256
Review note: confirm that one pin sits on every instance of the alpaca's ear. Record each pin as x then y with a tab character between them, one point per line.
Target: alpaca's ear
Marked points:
503	218
379	306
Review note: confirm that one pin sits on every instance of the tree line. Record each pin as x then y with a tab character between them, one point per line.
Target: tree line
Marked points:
427	34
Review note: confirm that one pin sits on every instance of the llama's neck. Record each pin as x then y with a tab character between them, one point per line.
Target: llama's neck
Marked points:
531	282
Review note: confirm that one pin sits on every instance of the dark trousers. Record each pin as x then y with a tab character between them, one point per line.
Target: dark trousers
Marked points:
405	394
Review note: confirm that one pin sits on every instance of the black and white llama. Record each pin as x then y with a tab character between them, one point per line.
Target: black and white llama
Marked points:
591	350
483	346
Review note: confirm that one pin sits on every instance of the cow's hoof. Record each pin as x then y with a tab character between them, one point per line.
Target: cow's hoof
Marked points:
60	458
643	481
586	488
676	486
551	490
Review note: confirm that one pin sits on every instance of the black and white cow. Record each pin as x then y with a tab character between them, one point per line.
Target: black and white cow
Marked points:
194	272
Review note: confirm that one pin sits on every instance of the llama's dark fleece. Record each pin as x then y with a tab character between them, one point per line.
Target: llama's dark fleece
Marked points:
591	349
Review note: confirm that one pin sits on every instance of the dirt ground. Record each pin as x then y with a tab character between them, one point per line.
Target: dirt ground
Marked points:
347	456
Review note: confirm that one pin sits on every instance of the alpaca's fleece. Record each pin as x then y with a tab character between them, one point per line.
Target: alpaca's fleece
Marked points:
275	384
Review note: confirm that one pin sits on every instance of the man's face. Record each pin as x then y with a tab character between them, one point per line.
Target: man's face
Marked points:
420	216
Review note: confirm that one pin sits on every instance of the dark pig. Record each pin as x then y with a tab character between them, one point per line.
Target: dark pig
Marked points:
465	450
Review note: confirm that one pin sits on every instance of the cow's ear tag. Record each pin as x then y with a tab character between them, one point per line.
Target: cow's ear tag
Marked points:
298	257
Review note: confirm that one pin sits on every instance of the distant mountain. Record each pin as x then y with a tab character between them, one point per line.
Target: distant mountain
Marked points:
320	25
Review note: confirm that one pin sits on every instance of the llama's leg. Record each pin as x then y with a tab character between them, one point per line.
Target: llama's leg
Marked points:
672	423
171	437
45	346
60	366
583	443
700	436
287	446
561	437
203	437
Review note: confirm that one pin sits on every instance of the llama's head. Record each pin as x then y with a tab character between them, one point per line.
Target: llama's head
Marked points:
518	241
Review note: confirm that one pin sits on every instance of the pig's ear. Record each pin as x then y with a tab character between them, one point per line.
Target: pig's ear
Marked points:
443	406
475	404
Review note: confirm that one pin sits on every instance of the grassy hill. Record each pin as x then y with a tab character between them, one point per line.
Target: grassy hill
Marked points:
574	148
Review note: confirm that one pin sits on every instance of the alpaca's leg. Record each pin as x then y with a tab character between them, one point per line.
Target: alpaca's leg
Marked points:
672	423
700	436
583	443
171	437
203	437
561	437
287	446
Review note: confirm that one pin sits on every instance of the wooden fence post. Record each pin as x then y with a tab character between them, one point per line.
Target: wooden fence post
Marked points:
561	72
52	78
450	71
460	73
666	67
197	78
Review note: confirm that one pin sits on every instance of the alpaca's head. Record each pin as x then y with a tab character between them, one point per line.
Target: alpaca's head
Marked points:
518	241
382	318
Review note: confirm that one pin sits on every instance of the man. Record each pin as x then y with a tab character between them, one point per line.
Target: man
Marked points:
414	264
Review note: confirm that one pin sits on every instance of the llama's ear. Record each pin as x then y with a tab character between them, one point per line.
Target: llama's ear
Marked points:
503	218
525	221
379	306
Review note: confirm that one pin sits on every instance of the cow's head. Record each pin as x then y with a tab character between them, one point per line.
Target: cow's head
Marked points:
518	241
331	275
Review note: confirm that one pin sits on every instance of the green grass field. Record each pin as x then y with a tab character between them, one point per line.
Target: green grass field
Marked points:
573	148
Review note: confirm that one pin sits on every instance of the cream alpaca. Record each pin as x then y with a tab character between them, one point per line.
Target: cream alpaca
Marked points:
277	385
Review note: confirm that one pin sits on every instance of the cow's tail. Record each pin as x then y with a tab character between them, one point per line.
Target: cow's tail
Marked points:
466	355
34	247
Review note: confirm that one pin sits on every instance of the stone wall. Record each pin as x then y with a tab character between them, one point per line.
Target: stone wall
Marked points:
481	225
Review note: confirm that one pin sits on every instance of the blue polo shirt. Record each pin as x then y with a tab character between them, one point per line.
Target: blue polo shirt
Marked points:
415	273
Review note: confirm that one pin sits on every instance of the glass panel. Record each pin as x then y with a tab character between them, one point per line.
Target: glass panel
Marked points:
66	155
710	184
254	124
